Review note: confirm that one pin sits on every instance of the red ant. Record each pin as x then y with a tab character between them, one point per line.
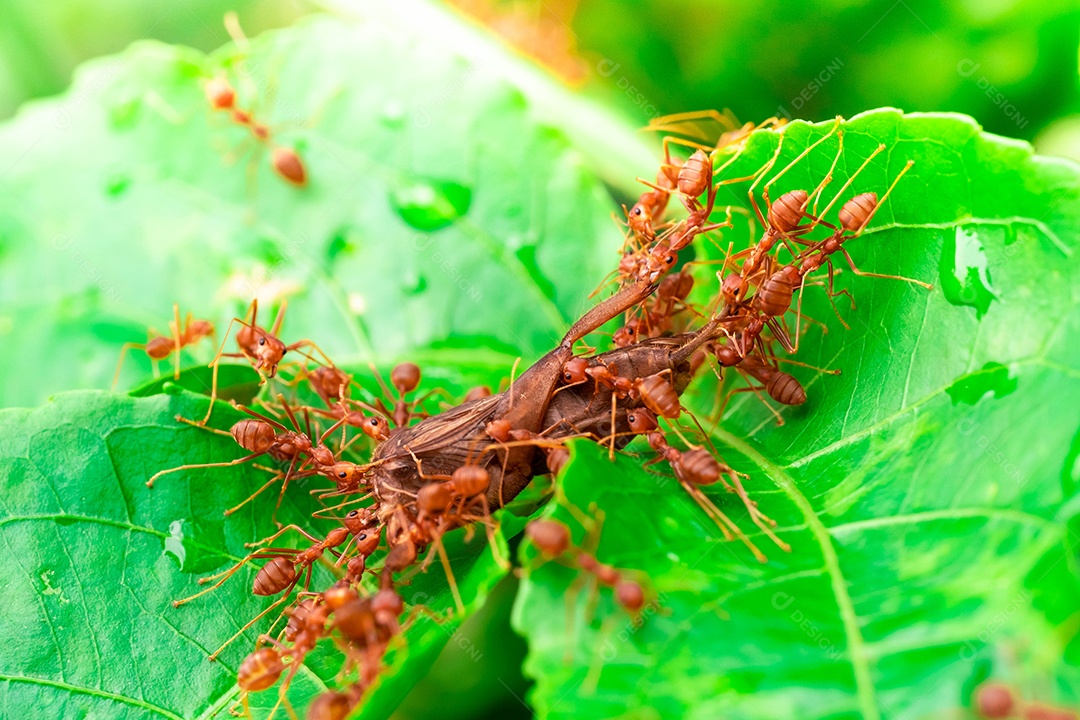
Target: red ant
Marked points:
280	575
221	96
159	347
552	539
405	377
697	467
259	671
261	347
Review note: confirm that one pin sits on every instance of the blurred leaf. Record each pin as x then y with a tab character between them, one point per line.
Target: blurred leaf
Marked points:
41	43
1012	65
418	227
929	492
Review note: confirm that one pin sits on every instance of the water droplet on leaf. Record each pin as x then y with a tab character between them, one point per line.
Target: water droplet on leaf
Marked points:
413	284
190	554
428	204
965	272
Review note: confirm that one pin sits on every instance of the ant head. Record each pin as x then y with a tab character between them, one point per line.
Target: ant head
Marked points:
375	427
347	474
641	421
639	219
626	335
268	352
574	371
733	287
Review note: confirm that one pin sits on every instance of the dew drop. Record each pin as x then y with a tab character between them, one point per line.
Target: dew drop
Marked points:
413	284
116	185
428	204
190	553
174	544
393	114
971	388
965	272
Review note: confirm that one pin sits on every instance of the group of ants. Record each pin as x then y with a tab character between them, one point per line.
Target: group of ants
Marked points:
741	329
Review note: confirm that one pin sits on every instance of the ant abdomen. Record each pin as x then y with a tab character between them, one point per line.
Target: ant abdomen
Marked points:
288	165
696	175
274	576
551	537
785	389
297	617
660	397
471	480
774	296
331	705
788	210
160	347
254	435
856	212
700	467
260	670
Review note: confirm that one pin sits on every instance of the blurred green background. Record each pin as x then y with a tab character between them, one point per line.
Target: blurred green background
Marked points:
1013	65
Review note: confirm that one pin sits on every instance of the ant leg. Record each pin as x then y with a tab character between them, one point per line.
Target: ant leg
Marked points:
155	476
851	179
800	156
756	389
251	497
760	519
671	123
441	549
859	272
815	195
223	575
275	329
284	487
120	362
259	416
176	338
254	620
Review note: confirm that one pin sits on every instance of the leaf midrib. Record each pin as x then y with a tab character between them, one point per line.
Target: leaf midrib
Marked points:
110	523
91	691
856	645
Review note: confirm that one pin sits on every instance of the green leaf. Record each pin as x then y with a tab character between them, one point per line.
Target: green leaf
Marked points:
98	557
418	227
419	235
928	493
